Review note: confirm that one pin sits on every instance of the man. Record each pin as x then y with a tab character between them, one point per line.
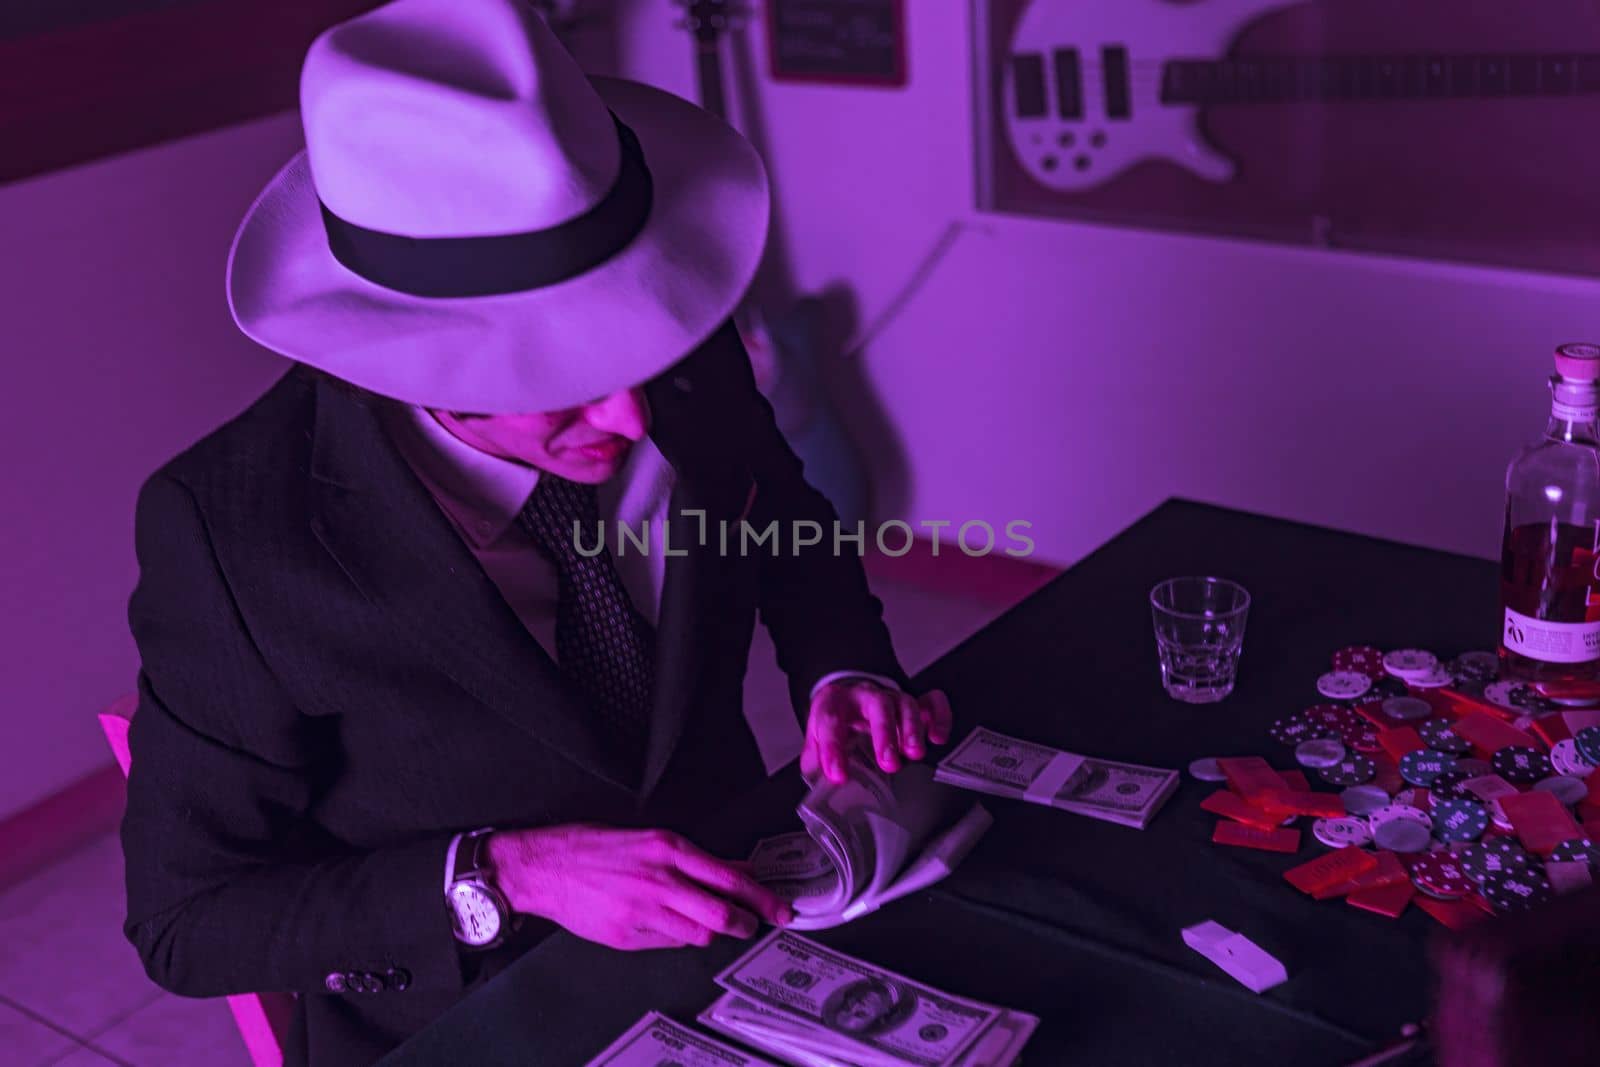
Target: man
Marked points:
397	719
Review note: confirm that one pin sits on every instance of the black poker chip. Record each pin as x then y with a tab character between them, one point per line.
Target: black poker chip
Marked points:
1587	741
1494	856
1521	764
1518	890
1387	686
1578	848
1293	729
1354	769
1438	735
1424	765
1480	667
1457	819
1447	785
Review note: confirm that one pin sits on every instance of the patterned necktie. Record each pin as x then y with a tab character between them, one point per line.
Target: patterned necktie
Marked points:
604	647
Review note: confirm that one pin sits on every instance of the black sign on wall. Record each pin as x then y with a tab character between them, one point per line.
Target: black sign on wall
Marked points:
848	42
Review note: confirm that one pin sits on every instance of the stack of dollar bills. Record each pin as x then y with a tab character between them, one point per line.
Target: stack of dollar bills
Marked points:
866	841
990	762
804	1004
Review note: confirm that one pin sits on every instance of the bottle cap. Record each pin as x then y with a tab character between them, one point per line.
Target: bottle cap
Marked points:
1578	362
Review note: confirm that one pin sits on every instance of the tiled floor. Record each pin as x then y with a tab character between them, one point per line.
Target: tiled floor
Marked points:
72	993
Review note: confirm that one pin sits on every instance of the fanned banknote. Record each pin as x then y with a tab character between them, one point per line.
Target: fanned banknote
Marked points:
990	762
866	841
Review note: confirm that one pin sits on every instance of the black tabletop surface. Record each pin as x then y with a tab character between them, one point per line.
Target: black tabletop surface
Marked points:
1075	920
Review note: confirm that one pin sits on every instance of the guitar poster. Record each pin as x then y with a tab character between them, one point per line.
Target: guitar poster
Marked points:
1447	129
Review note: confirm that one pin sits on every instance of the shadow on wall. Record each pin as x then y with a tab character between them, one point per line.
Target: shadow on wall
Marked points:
843	400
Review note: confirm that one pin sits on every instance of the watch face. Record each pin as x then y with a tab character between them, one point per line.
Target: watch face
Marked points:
474	913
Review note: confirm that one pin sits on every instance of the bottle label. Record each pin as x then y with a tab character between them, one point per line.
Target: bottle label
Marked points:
1552	642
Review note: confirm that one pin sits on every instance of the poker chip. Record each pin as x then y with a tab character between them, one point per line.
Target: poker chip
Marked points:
1406	709
1343	685
1437	678
1493	855
1401	836
1207	770
1319	752
1578	848
1587	742
1293	729
1472	766
1447	784
1341	722
1367	741
1361	659
1338	833
1364	800
1482	667
1438	735
1439	874
1353	770
1396	811
1520	764
1499	693
1387	686
1566	759
1459	819
1424	765
1565	788
1408	663
1518	890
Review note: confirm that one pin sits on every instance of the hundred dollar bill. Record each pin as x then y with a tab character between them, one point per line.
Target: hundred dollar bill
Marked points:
824	996
656	1040
991	762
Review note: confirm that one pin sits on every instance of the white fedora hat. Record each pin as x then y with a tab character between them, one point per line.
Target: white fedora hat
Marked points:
476	225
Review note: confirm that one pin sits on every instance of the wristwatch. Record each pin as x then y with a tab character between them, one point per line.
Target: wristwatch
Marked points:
478	911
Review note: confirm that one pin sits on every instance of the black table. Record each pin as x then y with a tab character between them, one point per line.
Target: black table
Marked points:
1072	919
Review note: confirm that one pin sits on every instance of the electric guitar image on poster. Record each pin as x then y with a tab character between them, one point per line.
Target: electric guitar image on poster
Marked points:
1095	87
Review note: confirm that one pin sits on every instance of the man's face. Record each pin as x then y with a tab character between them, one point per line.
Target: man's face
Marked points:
862	1010
588	443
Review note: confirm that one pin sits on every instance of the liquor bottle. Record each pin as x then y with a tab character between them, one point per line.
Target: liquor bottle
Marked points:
1550	555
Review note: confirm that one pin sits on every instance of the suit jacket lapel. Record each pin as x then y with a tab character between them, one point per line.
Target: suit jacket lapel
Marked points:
389	537
691	595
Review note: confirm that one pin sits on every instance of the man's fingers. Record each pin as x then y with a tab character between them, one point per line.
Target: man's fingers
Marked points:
734	882
646	939
717	914
881	710
912	727
939	717
670	922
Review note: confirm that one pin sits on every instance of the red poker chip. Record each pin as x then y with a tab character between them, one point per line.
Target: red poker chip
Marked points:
1439	874
1363	659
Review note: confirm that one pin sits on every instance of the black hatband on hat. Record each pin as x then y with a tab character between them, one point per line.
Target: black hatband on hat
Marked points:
502	263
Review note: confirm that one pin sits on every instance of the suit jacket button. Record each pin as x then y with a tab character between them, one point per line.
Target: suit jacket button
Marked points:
335	983
371	983
398	978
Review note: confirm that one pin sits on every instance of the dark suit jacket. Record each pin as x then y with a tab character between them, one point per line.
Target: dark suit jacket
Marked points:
330	688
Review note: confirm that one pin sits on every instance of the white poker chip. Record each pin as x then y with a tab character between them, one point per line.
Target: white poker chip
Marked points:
1401	835
1338	833
1399	812
1566	759
1408	663
1343	685
1437	678
1319	752
1565	788
1499	694
1364	799
1207	770
1407	709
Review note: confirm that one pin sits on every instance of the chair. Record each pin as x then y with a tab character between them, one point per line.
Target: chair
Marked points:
263	1018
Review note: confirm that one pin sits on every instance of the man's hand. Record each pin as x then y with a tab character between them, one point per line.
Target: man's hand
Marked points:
901	726
629	889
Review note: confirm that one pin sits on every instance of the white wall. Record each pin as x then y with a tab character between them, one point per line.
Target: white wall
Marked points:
119	352
1075	375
